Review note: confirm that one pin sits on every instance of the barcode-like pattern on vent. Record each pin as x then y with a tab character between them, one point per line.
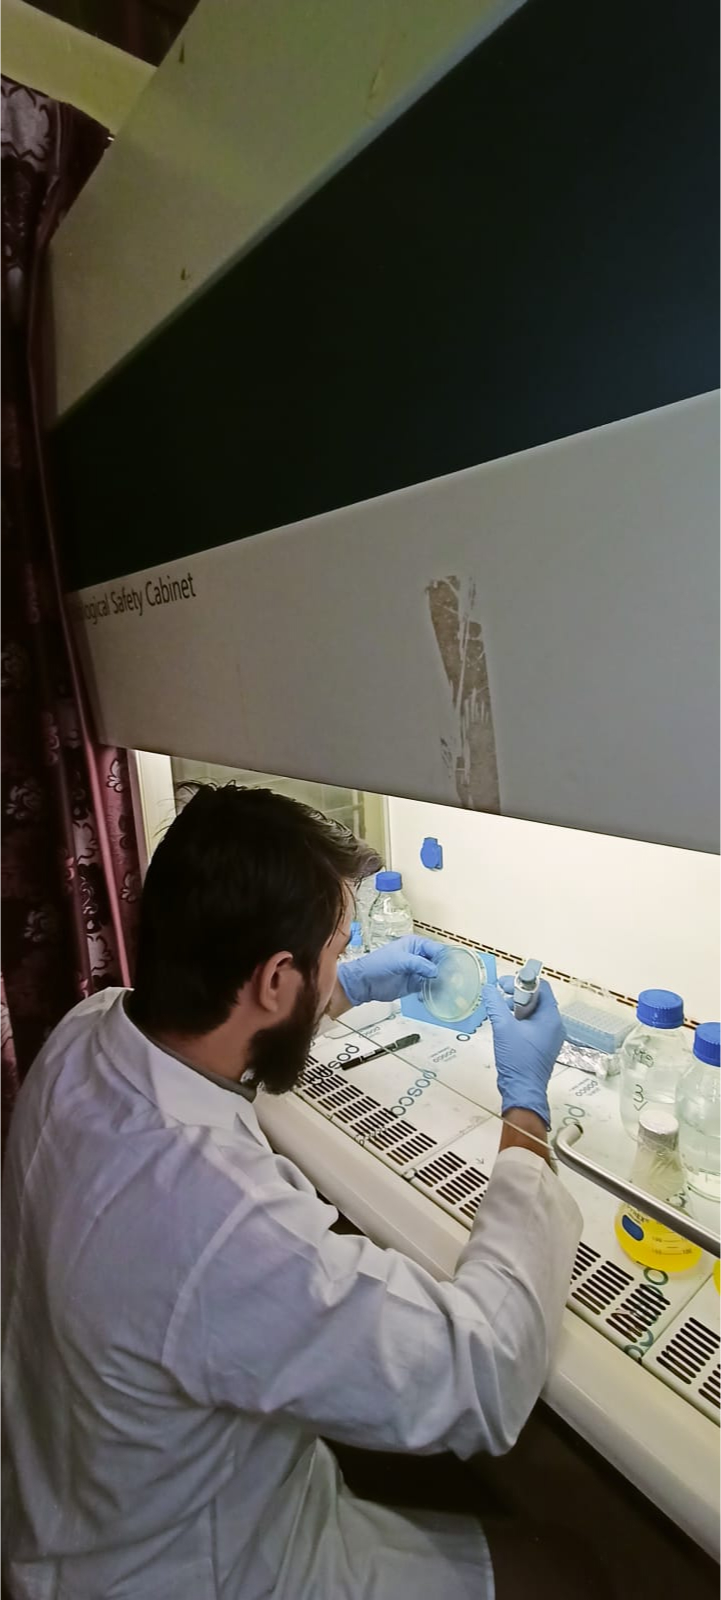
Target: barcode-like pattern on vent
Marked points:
706	1335
687	1353
382	1118
463	1185
455	1184
639	1312
604	1286
585	1258
364	1118
418	1145
710	1388
314	1075
385	1137
320	1079
358	1109
469	1206
333	1080
344	1096
323	1086
443	1167
315	1080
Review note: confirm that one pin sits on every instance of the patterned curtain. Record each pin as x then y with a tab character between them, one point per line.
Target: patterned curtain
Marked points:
70	870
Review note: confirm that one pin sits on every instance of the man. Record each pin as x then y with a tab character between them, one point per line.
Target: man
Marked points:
182	1325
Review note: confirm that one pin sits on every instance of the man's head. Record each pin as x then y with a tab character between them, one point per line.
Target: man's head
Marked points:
246	907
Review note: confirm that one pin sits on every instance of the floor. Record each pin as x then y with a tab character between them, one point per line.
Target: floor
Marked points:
554	1486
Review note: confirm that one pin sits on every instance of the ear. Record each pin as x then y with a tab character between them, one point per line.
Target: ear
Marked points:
276	985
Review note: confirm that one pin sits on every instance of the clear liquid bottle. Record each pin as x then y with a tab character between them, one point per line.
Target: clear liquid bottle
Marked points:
390	915
657	1171
364	897
653	1056
698	1105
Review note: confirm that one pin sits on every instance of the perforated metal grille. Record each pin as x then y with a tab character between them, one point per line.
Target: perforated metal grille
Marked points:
604	1286
345	1095
411	1149
639	1311
688	1352
318	1075
356	1110
375	1122
443	1167
710	1389
686	1355
385	1137
465	1191
464	1184
585	1258
320	1087
455	1184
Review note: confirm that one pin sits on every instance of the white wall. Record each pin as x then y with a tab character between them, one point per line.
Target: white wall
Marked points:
612	911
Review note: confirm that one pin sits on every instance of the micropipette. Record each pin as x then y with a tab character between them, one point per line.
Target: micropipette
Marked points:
526	989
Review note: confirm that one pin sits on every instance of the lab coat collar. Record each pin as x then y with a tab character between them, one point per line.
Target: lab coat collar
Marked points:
177	1091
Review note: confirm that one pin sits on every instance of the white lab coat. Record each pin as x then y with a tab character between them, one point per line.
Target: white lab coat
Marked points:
181	1325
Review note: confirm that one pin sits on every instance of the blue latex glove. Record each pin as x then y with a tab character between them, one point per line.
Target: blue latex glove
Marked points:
526	1051
397	969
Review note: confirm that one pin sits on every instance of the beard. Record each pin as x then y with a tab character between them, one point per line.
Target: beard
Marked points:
278	1055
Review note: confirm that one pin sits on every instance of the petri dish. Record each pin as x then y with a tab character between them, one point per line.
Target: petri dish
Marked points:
456	990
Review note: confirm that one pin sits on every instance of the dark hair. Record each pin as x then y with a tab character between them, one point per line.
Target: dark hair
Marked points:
240	874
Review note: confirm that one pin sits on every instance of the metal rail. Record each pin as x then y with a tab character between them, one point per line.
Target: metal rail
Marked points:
678	1221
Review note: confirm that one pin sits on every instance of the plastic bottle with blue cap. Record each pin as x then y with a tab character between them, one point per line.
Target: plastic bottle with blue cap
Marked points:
653	1056
390	915
698	1105
355	946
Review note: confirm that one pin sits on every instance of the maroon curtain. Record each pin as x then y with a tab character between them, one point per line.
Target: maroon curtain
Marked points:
70	870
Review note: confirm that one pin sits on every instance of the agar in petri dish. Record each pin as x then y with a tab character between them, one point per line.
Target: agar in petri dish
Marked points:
456	990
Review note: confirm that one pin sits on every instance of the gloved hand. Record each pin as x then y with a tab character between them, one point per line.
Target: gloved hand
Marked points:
397	969
525	1051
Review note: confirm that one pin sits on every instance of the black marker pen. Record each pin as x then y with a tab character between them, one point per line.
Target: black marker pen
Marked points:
385	1050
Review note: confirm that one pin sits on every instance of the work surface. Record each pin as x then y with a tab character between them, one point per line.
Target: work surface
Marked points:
404	1146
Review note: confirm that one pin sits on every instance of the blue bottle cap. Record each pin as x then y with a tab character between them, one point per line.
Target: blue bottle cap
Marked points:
386	882
660	1008
707	1043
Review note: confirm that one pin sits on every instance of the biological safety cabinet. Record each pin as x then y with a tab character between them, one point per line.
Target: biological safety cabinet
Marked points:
385	439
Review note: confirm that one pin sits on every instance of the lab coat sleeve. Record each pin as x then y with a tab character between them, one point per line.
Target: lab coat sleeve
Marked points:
282	1316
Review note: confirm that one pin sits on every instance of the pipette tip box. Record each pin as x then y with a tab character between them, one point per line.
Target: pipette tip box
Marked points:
595	1025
